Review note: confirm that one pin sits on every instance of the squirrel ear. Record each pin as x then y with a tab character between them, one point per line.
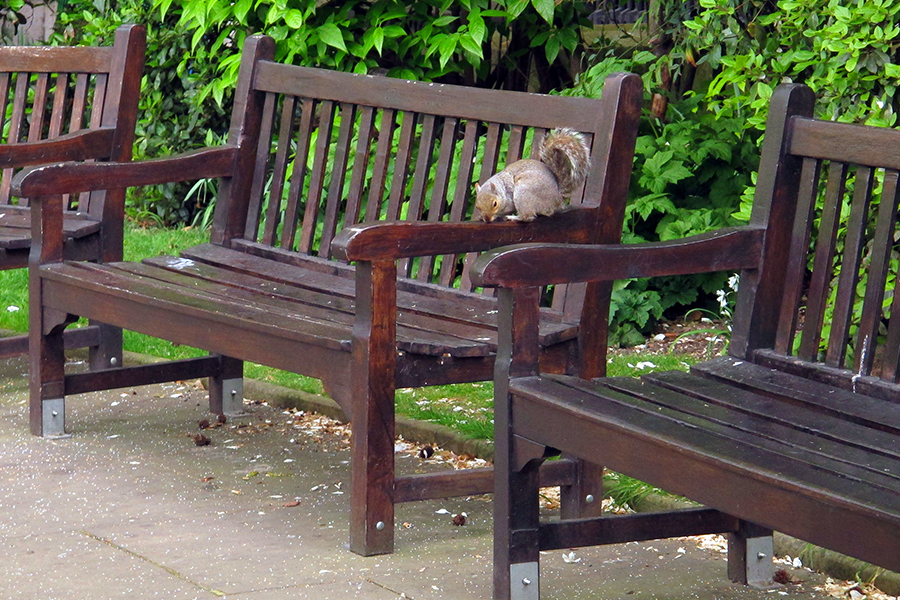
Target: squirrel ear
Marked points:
477	187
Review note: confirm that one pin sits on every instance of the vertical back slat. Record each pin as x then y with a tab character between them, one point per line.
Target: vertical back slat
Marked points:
878	266
516	144
890	364
421	175
97	104
458	206
438	204
796	268
79	102
846	286
20	95
380	167
298	175
360	166
5	174
823	262
58	112
401	166
38	107
279	167
538	139
492	143
258	186
422	169
317	177
20	99
98	100
4	101
338	177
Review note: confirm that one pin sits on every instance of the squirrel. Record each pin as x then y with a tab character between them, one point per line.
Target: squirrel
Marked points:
536	187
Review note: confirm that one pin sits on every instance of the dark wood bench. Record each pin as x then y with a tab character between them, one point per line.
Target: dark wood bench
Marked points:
69	103
312	154
796	429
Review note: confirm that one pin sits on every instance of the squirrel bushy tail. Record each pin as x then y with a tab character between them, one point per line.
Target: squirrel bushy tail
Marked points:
566	153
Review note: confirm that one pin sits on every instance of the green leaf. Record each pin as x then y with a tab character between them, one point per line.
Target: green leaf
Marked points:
446	48
331	35
241	8
445	20
551	49
471	45
477	28
545	8
294	19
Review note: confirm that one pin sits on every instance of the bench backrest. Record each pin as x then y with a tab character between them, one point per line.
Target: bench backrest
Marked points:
336	149
49	92
821	303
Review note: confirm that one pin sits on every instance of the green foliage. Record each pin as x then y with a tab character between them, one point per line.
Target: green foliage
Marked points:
172	118
506	43
690	172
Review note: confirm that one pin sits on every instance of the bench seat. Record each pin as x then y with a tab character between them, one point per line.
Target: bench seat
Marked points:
738	435
193	298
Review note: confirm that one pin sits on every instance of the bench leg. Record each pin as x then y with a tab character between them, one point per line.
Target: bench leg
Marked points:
516	523
372	387
750	554
108	354
372	475
582	499
47	359
226	388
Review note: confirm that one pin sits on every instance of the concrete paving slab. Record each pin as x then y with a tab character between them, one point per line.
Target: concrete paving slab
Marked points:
129	506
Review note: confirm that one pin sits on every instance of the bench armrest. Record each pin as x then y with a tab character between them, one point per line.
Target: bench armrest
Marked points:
81	145
530	265
405	239
72	178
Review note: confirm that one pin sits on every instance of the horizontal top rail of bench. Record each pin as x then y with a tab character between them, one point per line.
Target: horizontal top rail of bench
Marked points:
55	59
461	102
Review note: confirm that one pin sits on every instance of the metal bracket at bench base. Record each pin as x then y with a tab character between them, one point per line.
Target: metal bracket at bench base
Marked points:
524	581
760	568
233	397
53	418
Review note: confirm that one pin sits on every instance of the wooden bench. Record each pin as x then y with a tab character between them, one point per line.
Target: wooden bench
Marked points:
310	155
796	430
69	103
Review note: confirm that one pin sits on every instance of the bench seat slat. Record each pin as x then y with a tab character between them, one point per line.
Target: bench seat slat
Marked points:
318	302
417	338
815	503
862	409
775	423
785	463
334	279
122	286
15	230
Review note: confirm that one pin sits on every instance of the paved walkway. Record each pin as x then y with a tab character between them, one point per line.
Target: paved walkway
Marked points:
130	507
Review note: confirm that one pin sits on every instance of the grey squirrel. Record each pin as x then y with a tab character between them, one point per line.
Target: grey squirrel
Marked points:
536	187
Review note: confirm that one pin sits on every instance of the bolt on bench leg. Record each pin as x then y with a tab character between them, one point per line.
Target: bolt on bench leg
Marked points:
750	554
226	389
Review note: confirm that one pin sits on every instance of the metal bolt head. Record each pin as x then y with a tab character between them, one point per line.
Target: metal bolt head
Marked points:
113	361
379	525
761	556
589	498
526	581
